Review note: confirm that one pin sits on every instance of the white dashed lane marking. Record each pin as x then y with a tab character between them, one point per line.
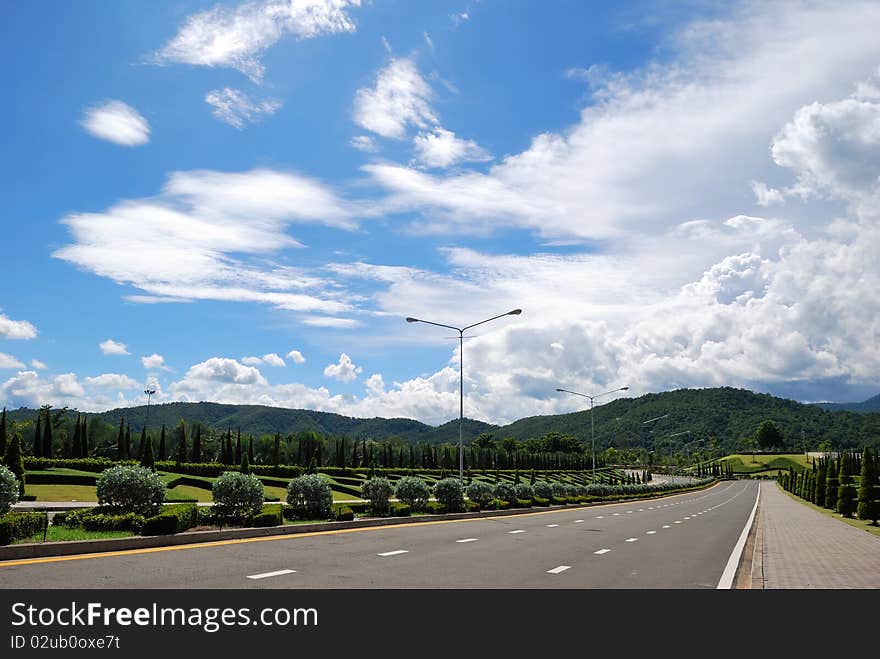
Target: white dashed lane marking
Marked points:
602	551
266	575
467	540
666	526
557	570
651	532
394	553
632	539
578	521
517	531
551	526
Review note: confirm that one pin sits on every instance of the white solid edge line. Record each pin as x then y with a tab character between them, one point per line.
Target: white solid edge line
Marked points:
557	570
394	553
265	575
729	573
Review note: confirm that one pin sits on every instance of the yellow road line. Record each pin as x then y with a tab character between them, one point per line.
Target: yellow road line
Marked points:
291	536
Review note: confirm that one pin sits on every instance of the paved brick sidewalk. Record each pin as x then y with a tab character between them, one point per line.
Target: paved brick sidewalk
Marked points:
798	547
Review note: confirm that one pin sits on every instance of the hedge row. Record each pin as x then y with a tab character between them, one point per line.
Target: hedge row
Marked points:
16	526
173	519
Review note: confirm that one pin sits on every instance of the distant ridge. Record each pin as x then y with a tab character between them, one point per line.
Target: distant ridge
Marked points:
867	406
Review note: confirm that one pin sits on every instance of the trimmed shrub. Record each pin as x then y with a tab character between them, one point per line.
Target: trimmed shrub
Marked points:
480	493
543	490
540	501
413	491
377	491
523	503
131	489
524	491
102	518
8	490
450	494
504	491
559	489
172	519
400	510
310	497
237	496
16	526
269	516
343	514
435	508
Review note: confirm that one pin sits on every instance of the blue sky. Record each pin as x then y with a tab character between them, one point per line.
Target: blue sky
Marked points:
241	202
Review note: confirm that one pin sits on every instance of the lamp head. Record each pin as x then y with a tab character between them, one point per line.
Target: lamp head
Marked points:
624	388
412	320
515	312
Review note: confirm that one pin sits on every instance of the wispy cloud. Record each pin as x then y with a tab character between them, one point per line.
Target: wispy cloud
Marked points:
111	347
117	122
8	361
400	98
235	108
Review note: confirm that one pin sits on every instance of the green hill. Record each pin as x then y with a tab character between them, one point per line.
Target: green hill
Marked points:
867	406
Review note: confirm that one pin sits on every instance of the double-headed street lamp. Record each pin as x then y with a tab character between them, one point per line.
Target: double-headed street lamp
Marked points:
149	393
461	331
592	427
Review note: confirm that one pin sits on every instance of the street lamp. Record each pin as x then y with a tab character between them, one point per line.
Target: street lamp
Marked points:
149	393
592	428
461	331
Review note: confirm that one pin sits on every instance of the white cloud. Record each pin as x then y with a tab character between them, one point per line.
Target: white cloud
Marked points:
375	384
252	361
112	381
235	108
117	122
459	17
364	143
153	362
111	347
344	370
328	321
238	37
273	360
296	356
37	364
221	369
8	361
199	239
441	148
400	98
765	195
16	329
428	40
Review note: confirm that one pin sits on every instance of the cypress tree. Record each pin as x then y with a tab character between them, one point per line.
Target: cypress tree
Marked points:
251	449
143	447
75	448
276	450
312	468
831	486
84	439
14	461
3	432
38	438
163	451
245	466
181	445
846	504
354	455
230	452
127	442
821	476
197	445
867	506
238	448
120	440
48	448
147	459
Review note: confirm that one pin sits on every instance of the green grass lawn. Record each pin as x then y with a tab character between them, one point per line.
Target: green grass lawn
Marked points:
742	463
62	492
188	492
62	533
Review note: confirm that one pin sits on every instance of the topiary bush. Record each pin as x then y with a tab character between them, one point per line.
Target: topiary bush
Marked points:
309	497
543	489
377	491
269	516
413	491
524	491
343	514
8	490
131	489
504	491
237	496
450	494
17	526
172	519
398	509
480	493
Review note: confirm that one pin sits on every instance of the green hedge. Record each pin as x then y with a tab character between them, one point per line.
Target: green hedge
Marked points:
83	464
99	519
17	526
268	516
61	479
540	501
399	509
343	514
173	519
523	503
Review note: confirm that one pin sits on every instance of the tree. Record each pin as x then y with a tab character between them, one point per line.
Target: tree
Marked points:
48	448
143	446
245	466
38	438
14	461
238	448
84	439
181	444
251	449
163	451
127	442
867	503
768	435
147	459
276	450
845	490
3	432
120	439
77	429
197	445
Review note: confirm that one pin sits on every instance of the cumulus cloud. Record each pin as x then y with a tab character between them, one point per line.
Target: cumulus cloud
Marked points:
234	107
400	98
221	369
344	370
441	148
111	347
8	361
296	356
238	37
37	364
16	329
112	381
153	362
117	122
271	359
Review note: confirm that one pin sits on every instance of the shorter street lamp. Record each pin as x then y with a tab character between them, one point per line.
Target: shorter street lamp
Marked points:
461	331
149	393
592	427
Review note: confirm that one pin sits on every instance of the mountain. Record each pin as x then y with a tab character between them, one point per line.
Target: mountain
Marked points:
867	406
723	415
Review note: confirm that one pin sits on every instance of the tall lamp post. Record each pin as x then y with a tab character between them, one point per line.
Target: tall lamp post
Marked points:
592	427
149	393
461	331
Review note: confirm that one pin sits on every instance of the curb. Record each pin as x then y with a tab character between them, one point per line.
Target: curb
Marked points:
73	547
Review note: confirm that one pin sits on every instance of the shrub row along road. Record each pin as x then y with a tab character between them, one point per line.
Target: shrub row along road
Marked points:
681	541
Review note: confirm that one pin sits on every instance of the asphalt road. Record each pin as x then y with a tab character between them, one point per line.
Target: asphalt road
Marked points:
681	541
